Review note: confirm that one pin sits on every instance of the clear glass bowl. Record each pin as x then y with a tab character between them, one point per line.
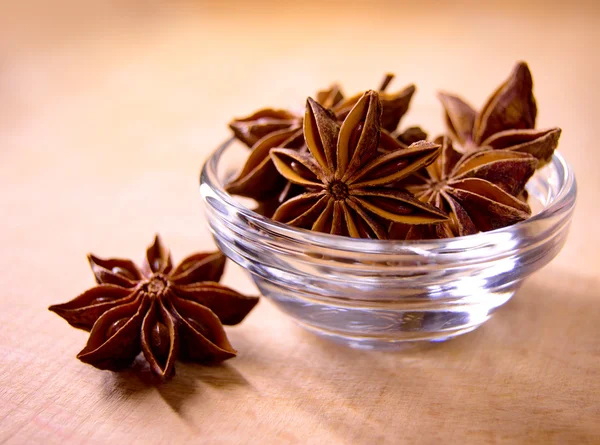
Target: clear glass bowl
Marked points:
380	294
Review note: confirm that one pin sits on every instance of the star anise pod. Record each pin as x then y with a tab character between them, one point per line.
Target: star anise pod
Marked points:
264	122
394	105
477	190
165	312
345	179
411	135
506	121
259	180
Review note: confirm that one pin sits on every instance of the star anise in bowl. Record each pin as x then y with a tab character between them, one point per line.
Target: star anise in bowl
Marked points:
388	238
382	293
269	128
478	191
506	121
296	176
349	188
164	312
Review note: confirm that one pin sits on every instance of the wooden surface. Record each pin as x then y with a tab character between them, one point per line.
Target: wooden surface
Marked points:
107	111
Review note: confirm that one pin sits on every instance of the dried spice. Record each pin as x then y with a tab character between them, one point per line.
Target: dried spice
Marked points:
339	184
477	190
262	123
165	312
411	135
345	179
259	180
394	105
506	121
330	97
252	128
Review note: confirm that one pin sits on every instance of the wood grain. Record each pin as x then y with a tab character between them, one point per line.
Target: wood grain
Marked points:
107	111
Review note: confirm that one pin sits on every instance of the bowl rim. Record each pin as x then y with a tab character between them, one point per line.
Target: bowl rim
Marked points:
563	203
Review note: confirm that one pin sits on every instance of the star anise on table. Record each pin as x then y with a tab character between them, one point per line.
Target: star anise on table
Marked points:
345	179
165	312
477	190
506	121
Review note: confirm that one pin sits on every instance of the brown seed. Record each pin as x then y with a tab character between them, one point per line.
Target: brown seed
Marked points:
124	272
114	328
160	341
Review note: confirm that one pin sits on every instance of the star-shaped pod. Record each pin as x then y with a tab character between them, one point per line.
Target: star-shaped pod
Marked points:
506	121
477	190
394	105
266	129
165	312
348	188
266	121
259	179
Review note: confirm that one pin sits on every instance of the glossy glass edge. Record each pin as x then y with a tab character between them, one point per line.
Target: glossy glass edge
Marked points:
563	203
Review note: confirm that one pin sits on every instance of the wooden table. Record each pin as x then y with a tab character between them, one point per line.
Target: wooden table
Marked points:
107	112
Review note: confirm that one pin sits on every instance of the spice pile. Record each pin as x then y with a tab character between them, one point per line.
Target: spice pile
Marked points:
345	168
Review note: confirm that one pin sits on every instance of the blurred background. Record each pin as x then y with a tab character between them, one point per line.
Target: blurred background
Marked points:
93	91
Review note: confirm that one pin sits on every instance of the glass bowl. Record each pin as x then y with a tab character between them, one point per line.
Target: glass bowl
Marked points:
382	294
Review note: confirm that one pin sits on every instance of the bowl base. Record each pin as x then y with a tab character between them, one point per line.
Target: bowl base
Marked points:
388	325
384	343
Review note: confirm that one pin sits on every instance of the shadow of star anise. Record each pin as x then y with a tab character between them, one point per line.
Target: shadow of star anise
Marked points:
477	190
165	312
506	121
349	187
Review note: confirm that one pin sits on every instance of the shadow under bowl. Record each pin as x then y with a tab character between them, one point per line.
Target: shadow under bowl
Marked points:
383	294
